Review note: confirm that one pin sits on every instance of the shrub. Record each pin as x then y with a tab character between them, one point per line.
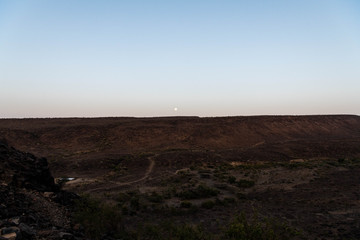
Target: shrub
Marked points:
243	228
205	175
151	232
187	232
96	218
229	200
134	203
243	183
185	204
123	197
167	194
231	179
124	210
167	230
240	195
208	204
200	191
155	197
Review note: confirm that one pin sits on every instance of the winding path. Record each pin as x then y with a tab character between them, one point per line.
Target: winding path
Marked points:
118	184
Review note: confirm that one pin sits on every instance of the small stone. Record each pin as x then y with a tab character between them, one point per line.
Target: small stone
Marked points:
77	227
15	221
48	194
26	230
66	236
9	230
9	236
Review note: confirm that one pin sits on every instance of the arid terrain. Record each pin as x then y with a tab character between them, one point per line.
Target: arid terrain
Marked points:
263	177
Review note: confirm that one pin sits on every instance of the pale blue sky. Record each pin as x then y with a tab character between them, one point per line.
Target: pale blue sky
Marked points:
207	58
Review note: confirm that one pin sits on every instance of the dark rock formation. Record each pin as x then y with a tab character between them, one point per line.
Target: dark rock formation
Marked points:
31	204
24	170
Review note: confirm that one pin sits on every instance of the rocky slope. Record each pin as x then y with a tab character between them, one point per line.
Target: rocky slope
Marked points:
31	204
139	134
83	145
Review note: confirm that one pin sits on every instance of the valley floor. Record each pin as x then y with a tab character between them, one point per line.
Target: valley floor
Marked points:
316	198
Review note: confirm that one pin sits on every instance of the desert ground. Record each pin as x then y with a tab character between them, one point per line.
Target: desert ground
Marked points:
297	177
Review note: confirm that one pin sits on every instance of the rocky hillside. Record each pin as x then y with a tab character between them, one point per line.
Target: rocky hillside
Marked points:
24	170
84	144
302	170
31	204
137	134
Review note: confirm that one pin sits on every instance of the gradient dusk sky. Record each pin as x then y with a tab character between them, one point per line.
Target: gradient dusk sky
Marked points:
206	58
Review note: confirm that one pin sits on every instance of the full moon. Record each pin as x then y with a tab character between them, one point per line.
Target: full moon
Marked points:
175	109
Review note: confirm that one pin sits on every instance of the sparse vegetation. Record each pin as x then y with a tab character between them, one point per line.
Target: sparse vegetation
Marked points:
208	204
201	191
243	228
154	197
231	179
243	183
185	204
167	230
97	218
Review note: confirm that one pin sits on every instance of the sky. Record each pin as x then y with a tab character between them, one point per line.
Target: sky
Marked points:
148	58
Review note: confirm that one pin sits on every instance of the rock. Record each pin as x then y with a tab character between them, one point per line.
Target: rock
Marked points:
65	198
15	221
66	236
29	218
31	204
9	236
8	230
25	170
26	231
3	209
48	194
78	227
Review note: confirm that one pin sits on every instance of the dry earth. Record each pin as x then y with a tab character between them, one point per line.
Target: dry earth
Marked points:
301	170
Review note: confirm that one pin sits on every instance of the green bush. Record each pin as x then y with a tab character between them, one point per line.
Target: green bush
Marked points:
168	194
185	204
134	203
205	175
231	179
208	204
241	195
167	230
154	197
200	191
187	232
123	197
243	183
124	210
229	200
97	218
242	228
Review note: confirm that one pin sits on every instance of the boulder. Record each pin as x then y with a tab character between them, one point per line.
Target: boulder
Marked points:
24	170
66	236
9	236
26	231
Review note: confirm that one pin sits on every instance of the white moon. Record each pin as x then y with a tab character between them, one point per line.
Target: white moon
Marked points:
175	109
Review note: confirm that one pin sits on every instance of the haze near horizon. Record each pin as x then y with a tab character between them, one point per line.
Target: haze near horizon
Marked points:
163	58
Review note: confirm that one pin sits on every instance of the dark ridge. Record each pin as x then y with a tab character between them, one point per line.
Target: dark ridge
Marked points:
24	170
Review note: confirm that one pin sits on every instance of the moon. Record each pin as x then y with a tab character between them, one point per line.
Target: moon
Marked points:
175	109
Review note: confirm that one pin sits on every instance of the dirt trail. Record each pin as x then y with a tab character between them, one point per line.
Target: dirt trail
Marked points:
147	173
118	184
